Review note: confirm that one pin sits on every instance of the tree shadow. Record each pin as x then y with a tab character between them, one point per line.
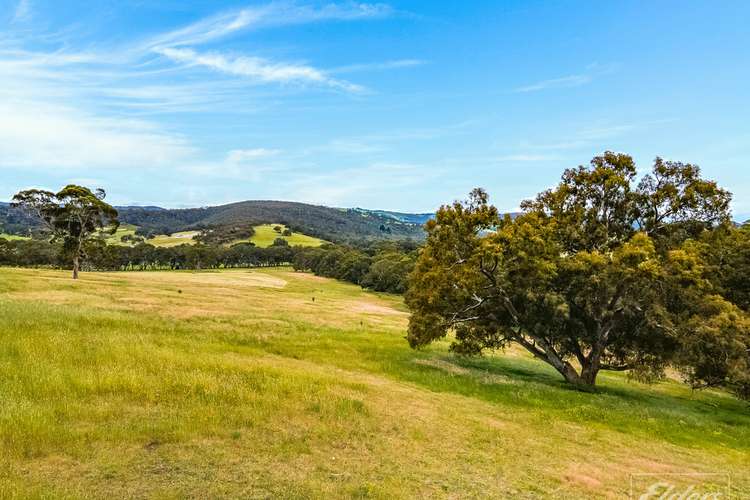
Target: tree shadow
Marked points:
669	412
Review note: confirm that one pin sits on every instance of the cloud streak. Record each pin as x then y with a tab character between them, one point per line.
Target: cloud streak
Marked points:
275	14
72	107
258	69
239	156
381	66
556	83
592	70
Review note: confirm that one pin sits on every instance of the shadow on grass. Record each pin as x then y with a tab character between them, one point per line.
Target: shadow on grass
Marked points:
666	410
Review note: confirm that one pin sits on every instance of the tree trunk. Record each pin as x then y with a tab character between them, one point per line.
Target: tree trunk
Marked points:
589	373
585	381
76	266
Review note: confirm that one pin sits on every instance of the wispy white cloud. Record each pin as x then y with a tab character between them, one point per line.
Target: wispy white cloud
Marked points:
176	45
239	156
238	164
564	82
22	12
270	15
379	66
350	146
43	135
358	186
257	68
592	71
523	158
69	107
593	135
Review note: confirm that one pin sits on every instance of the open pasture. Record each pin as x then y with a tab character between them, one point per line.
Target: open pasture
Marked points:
239	384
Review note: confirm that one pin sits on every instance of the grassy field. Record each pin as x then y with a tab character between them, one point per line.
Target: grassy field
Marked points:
265	235
122	230
174	239
239	384
12	236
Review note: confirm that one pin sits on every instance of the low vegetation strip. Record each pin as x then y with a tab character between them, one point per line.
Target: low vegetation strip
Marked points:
273	383
12	237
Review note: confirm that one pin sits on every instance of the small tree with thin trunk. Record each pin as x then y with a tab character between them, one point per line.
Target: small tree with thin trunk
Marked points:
73	216
600	273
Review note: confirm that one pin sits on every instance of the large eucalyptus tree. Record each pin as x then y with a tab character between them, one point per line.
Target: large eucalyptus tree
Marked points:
600	273
73	215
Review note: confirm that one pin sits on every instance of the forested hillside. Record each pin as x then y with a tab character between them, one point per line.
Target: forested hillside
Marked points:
15	221
332	224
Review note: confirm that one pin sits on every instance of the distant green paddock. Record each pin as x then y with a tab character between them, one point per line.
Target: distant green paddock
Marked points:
265	235
175	239
123	230
12	236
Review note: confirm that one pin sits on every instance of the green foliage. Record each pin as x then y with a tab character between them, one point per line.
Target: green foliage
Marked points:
727	252
383	269
715	347
389	271
131	239
225	234
73	216
598	273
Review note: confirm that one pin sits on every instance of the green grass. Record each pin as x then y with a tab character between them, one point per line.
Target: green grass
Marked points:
265	235
122	230
173	240
12	237
238	384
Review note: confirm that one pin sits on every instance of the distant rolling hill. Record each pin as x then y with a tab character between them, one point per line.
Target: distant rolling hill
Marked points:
332	224
400	216
327	223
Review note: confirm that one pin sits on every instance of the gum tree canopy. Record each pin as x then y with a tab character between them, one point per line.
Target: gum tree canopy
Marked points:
600	273
72	215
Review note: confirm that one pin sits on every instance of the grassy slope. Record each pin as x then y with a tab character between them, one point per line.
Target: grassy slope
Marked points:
236	383
12	236
122	230
175	239
265	235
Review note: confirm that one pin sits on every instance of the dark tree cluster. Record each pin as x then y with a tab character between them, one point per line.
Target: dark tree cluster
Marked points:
32	253
225	234
99	256
381	267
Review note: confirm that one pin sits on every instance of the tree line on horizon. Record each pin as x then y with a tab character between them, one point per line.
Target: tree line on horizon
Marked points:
380	268
78	223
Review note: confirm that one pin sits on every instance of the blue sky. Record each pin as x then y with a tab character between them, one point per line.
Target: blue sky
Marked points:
401	105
